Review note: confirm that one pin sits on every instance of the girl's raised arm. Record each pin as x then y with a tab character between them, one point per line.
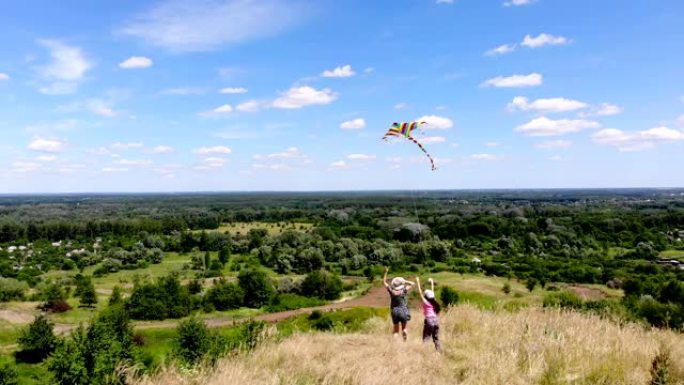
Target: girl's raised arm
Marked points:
432	284
419	289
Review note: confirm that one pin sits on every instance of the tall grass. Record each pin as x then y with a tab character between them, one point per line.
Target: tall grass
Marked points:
529	346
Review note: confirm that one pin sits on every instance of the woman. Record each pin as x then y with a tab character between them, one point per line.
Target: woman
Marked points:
398	291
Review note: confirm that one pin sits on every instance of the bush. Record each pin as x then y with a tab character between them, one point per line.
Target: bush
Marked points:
322	284
225	296
563	299
55	299
95	355
531	283
88	294
37	341
115	298
323	323
257	287
448	296
290	301
193	341
12	290
8	374
166	298
506	288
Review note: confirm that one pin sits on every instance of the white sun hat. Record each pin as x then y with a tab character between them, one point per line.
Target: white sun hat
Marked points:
429	294
398	283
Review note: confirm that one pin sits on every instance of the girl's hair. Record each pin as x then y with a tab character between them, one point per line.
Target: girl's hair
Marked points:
434	304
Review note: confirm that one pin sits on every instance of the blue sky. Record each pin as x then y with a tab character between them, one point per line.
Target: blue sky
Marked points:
225	95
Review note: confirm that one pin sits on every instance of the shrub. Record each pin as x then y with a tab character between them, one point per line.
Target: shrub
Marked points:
55	299
8	374
322	284
12	290
563	299
323	323
448	296
225	296
506	288
257	287
660	369
95	355
166	298
88	294
193	341
531	283
116	296
37	341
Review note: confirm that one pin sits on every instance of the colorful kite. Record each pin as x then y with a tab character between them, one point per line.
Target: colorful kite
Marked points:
404	130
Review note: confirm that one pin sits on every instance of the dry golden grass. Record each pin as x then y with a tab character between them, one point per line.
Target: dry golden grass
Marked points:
531	346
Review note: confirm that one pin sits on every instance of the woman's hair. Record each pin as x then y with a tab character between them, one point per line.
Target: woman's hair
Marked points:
434	304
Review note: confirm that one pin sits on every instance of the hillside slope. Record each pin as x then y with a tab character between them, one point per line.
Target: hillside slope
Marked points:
532	346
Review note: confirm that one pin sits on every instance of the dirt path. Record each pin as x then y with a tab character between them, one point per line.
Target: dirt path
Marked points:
376	297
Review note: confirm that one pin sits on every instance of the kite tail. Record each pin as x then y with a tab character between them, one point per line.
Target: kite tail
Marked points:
432	161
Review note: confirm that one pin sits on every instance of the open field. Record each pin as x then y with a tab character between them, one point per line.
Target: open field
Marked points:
273	228
530	346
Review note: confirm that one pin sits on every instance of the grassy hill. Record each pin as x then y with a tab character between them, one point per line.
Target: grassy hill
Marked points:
529	346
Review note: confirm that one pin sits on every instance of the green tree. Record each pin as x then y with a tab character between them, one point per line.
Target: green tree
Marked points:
88	294
257	287
224	255
115	298
531	283
322	284
225	296
207	260
37	340
506	288
193	341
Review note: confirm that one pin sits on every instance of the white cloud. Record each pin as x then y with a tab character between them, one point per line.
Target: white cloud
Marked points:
114	169
401	106
432	140
552	105
160	149
233	90
46	145
101	108
554	144
249	106
355	124
501	50
485	157
544	126
369	70
363	157
191	26
435	122
211	163
4	76
183	91
637	140
607	109
134	62
290	153
445	1
298	97
543	39
339	164
516	3
212	150
339	72
134	162
224	109
66	69
515	81
125	146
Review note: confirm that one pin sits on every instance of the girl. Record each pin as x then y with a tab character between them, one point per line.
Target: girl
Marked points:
430	310
398	291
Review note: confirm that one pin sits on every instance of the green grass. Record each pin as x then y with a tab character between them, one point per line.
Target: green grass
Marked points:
672	254
343	321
